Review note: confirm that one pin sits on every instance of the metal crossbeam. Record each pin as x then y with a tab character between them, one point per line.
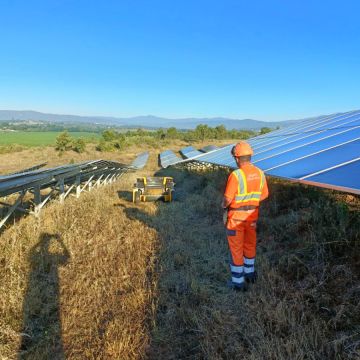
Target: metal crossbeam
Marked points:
12	209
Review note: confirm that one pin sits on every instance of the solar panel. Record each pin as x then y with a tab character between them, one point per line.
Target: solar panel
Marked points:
35	167
168	158
208	148
189	152
10	184
324	151
276	140
60	180
140	161
338	176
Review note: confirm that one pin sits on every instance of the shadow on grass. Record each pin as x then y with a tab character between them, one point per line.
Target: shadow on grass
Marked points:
125	195
41	331
307	263
192	260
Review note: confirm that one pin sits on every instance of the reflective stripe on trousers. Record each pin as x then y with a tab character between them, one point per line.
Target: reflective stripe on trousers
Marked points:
242	245
249	267
237	275
242	242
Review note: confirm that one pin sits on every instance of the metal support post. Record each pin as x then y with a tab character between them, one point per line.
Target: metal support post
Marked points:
112	179
37	200
61	190
98	181
78	186
12	209
39	206
68	190
86	184
106	180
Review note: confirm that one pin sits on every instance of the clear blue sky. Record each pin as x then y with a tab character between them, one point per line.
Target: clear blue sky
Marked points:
269	60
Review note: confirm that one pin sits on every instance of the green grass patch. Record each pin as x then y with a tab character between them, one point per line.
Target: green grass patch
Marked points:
34	138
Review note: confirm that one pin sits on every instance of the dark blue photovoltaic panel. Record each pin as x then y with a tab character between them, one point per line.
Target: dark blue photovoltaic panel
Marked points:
168	158
275	141
220	157
318	139
324	160
303	138
302	151
140	161
208	148
25	181
33	168
340	176
189	152
323	150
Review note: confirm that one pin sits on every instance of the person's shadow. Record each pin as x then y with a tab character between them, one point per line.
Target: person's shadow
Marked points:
41	331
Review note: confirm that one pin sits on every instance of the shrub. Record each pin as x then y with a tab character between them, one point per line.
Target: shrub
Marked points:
64	142
265	130
5	149
104	146
79	145
111	141
109	135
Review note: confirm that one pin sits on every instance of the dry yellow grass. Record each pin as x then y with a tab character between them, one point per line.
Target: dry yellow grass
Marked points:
75	282
20	160
102	278
15	161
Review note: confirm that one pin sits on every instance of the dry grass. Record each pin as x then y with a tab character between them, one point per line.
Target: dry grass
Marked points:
23	159
111	280
306	303
88	298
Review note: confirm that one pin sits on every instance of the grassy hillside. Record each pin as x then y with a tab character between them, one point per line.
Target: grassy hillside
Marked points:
35	138
102	278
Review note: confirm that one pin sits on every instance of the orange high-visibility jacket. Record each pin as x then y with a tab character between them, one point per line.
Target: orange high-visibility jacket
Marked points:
246	187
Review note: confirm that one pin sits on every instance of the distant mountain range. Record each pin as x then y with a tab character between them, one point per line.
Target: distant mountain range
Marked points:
148	121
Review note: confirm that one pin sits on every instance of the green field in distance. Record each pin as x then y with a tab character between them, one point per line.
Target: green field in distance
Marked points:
38	138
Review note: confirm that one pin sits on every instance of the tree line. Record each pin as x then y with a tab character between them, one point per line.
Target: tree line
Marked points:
112	139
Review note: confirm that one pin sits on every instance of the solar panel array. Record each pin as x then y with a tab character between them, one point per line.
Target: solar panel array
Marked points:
208	148
324	151
35	167
168	158
61	180
189	152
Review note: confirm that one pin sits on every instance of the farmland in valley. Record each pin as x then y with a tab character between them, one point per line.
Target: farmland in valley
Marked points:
38	138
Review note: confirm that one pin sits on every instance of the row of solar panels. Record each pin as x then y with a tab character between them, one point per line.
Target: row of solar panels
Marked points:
324	151
168	157
29	178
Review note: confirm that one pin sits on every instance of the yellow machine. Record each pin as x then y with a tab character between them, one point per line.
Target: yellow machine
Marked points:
153	188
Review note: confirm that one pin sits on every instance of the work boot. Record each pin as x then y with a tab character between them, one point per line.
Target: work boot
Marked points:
251	278
234	287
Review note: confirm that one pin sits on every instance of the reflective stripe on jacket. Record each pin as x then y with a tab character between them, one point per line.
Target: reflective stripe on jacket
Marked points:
244	195
246	187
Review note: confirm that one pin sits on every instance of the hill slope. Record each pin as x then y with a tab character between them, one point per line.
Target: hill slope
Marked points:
145	121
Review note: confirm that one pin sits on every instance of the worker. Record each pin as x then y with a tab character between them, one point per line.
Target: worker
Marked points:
246	187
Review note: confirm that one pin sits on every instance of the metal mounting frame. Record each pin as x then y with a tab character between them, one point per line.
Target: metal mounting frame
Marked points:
60	182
